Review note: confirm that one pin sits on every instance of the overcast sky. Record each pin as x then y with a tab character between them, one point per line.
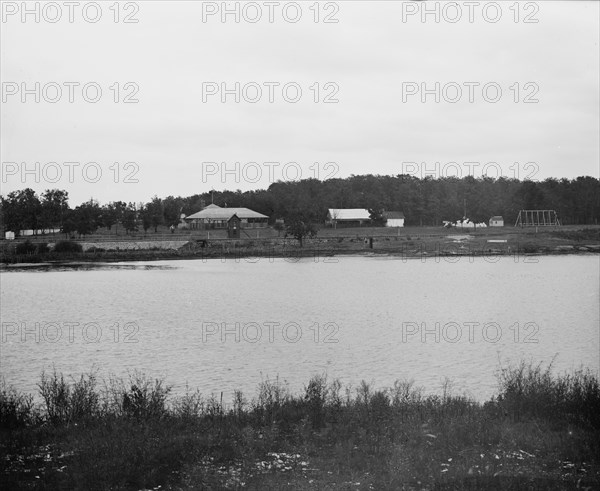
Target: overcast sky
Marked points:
374	58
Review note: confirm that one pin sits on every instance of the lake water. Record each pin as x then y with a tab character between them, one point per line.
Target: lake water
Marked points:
223	325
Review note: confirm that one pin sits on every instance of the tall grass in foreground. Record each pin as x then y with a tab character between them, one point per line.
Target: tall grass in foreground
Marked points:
529	390
16	410
79	400
525	391
131	433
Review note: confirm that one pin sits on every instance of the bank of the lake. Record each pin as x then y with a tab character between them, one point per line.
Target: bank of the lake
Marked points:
412	243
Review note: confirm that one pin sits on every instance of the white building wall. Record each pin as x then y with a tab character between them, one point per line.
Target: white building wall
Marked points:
30	232
395	222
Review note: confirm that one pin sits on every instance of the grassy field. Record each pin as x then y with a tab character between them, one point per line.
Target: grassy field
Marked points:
542	431
163	233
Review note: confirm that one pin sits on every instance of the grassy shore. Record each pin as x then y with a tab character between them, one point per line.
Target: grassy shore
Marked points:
542	431
414	242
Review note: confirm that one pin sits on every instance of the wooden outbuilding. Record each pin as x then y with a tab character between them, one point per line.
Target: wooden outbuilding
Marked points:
234	224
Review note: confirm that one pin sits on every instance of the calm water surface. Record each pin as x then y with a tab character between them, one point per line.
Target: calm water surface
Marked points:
222	325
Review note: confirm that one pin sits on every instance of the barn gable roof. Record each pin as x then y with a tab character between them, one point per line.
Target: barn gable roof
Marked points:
214	212
349	214
393	214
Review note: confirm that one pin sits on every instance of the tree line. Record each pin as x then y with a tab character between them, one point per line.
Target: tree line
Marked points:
424	201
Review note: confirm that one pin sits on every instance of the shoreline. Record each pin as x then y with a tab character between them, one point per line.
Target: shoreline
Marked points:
318	255
412	243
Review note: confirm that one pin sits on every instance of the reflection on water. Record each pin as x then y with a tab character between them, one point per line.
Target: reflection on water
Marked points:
83	266
222	325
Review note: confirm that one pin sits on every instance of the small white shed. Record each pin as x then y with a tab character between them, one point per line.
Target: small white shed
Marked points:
393	218
497	221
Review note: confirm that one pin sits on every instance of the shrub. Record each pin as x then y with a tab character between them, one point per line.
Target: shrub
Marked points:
363	393
42	248
529	248
272	395
380	404
145	398
334	399
55	392
26	248
16	410
67	246
528	390
315	395
96	249
214	407
188	406
85	401
239	404
404	393
66	403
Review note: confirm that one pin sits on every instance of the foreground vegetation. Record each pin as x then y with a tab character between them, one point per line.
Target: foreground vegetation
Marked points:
542	431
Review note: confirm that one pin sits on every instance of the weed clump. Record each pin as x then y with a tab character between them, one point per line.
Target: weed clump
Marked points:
67	246
26	247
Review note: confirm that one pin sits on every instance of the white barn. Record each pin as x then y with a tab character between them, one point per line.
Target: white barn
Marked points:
350	217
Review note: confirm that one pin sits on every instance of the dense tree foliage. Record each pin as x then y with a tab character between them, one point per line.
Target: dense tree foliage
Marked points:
299	227
424	202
